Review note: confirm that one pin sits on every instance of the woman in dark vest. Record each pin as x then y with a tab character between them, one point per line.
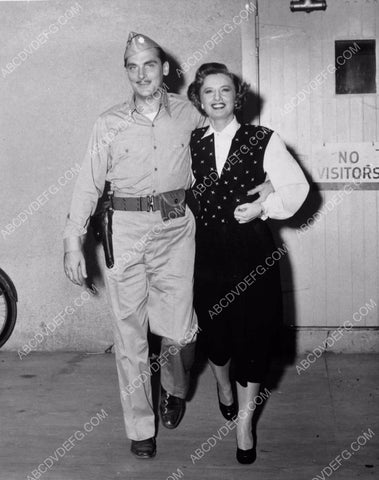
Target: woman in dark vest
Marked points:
237	281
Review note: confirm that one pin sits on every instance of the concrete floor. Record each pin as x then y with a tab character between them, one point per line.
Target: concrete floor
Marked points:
308	420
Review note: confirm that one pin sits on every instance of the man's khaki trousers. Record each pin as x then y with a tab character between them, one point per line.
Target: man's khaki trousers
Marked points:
151	285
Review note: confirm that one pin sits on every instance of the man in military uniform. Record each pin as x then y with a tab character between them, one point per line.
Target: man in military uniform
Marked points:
142	148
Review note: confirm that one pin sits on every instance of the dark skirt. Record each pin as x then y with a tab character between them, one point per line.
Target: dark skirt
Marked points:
238	296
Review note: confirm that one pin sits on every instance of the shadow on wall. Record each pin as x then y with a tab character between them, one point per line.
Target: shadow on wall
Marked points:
285	347
90	249
253	106
174	82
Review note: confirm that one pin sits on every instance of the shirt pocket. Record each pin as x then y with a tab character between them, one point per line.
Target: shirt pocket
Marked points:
179	140
130	156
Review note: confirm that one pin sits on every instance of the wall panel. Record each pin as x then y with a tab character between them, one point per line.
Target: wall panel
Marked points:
342	247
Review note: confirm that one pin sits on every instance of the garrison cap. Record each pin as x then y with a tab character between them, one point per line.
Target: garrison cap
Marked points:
137	43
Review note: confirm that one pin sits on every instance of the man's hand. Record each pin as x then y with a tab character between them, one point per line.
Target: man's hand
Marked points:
264	190
248	211
75	266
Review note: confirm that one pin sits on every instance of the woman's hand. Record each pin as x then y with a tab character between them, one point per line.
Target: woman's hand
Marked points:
248	211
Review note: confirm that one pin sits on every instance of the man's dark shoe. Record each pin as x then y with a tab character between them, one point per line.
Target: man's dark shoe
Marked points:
144	448
172	409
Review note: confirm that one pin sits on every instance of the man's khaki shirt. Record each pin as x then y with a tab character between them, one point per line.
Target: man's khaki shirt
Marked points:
138	156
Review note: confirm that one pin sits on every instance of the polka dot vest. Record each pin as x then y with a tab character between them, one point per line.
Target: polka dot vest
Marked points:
243	170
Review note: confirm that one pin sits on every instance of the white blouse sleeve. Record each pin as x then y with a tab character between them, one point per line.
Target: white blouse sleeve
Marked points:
290	185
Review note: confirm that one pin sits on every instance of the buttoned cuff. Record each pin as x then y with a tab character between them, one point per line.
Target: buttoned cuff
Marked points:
72	243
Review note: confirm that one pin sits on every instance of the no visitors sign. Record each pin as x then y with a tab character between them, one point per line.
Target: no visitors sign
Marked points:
336	164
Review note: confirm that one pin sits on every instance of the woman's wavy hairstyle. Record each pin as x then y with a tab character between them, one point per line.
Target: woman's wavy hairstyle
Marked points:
206	69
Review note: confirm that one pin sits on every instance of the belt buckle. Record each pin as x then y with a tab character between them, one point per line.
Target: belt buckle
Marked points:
150	203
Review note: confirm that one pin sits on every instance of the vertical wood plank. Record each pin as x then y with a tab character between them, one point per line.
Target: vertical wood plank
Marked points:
370	217
250	68
357	212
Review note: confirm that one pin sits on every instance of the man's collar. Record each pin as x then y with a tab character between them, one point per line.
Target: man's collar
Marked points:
163	101
229	131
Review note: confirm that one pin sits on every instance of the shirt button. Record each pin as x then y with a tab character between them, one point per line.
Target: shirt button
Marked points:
152	125
154	191
155	147
156	169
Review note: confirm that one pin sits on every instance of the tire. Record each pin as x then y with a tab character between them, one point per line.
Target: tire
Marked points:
8	307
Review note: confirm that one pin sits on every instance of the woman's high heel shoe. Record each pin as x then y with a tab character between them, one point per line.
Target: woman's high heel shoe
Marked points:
246	456
228	411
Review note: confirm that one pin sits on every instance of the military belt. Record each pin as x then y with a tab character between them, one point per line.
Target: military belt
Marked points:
138	204
150	203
